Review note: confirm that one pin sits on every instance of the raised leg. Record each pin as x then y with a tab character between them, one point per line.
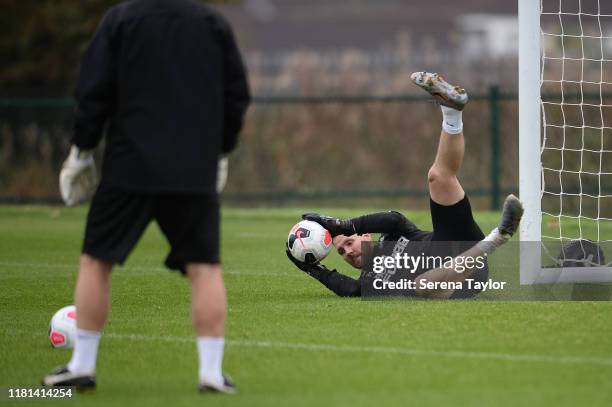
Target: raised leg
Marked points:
444	186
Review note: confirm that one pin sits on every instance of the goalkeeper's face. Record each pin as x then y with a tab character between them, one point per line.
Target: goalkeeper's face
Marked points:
349	247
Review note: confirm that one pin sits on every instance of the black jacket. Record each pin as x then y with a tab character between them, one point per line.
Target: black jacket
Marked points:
167	79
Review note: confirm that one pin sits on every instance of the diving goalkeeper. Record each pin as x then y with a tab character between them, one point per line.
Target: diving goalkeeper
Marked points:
451	215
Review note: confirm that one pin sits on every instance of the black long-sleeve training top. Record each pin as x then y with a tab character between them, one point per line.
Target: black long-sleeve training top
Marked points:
392	225
167	79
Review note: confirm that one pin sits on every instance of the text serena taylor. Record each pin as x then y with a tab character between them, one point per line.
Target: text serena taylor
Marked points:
424	284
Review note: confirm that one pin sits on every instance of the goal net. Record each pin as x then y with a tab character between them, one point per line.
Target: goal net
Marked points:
565	108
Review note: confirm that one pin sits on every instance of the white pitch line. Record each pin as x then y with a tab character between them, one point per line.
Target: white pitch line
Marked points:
602	361
509	357
5	264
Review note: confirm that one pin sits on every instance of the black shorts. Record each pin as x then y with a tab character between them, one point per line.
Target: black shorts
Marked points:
456	224
117	219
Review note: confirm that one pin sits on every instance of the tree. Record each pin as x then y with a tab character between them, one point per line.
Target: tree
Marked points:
42	41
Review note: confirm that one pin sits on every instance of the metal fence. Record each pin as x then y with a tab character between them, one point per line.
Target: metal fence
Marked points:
298	148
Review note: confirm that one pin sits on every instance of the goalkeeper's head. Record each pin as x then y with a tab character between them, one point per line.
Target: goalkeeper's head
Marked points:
349	247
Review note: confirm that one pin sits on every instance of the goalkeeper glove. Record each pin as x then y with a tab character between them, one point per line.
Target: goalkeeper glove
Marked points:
221	174
313	269
78	177
335	226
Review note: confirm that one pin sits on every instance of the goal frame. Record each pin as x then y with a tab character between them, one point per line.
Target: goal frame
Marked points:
530	165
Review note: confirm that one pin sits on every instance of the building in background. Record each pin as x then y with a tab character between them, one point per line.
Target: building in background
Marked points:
488	36
310	46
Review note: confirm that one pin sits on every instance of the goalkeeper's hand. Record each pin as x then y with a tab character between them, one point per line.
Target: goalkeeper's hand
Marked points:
308	268
78	179
221	174
335	226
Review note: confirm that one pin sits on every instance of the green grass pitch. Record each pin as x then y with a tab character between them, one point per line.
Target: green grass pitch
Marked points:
290	342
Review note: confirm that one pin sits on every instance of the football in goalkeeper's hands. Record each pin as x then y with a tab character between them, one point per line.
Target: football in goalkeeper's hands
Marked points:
309	242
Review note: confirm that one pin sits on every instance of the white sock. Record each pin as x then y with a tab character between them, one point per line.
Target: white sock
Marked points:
85	352
494	240
210	350
452	122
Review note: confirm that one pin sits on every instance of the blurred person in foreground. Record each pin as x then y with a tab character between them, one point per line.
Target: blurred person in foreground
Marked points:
451	215
166	82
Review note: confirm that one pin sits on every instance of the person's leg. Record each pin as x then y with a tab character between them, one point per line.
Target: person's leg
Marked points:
92	293
208	299
92	300
444	186
192	226
209	311
458	272
454	273
115	222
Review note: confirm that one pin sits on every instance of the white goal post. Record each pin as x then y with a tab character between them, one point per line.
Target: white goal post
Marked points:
565	136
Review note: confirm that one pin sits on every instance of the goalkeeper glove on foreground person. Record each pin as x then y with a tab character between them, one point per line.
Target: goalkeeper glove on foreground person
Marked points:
78	178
